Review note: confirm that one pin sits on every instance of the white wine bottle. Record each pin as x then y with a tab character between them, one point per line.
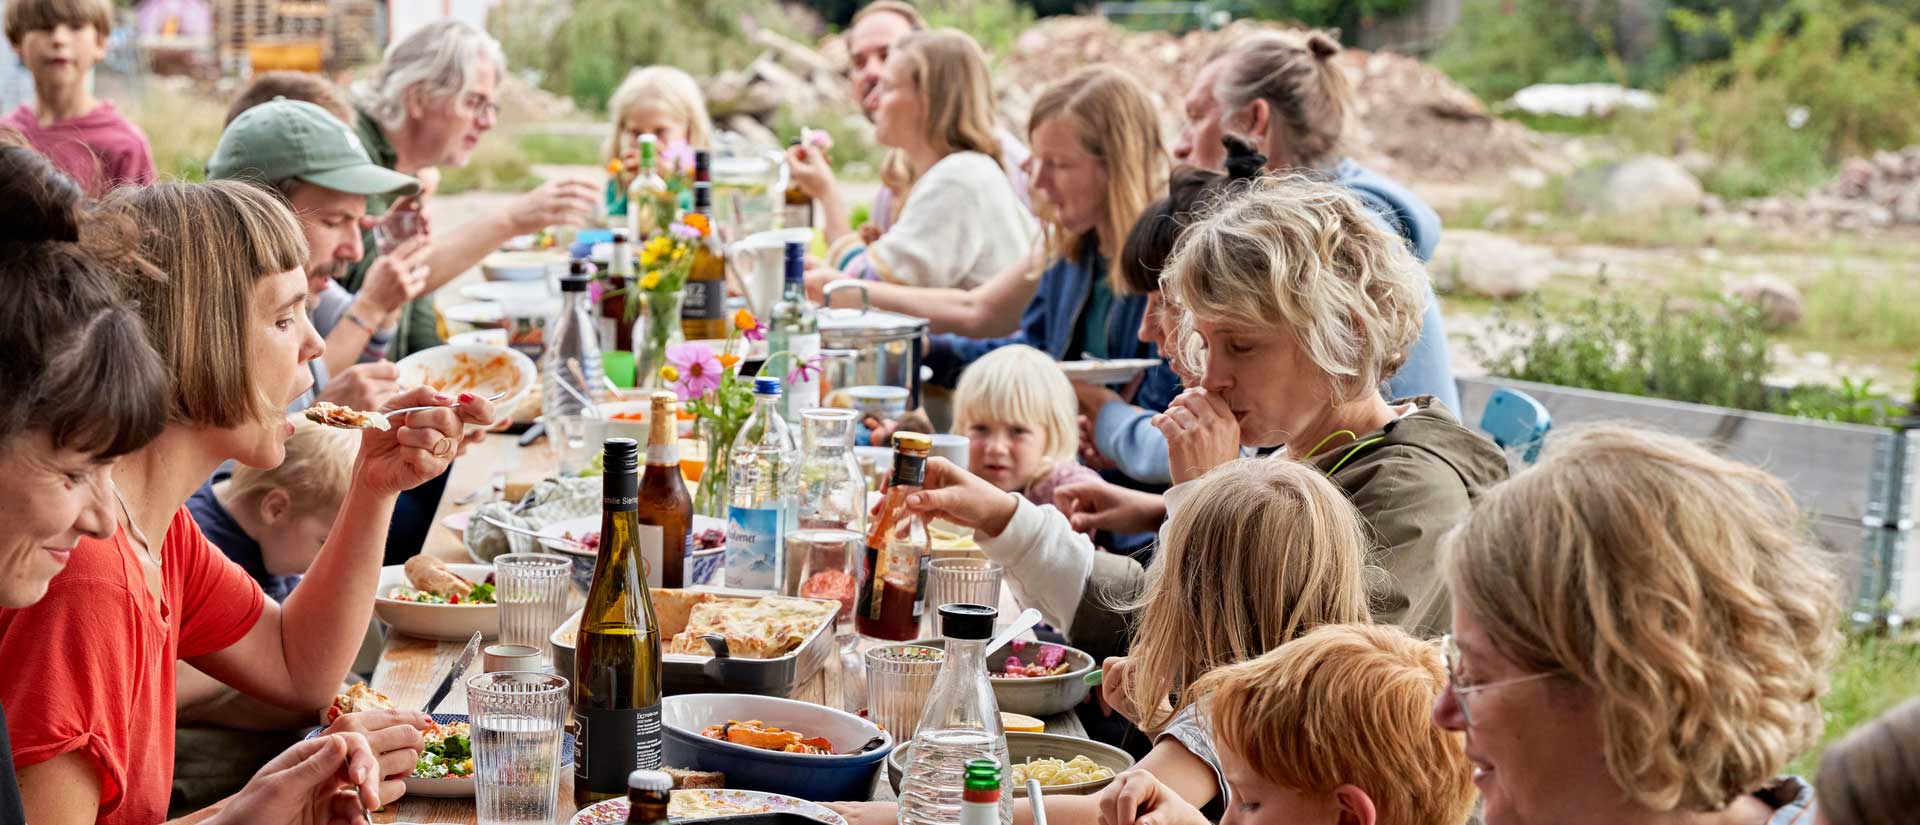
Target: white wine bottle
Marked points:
616	667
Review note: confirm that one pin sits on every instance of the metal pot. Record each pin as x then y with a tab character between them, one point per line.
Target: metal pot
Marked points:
891	346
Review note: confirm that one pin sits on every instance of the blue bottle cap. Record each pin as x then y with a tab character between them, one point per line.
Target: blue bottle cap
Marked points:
766	386
580	249
796	262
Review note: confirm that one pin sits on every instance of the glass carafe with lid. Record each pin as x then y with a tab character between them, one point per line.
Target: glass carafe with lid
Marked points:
831	501
961	723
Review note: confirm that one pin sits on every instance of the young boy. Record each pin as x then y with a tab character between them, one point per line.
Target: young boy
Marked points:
272	522
60	41
1332	727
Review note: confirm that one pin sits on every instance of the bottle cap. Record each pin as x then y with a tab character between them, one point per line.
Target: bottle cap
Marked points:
580	250
912	441
621	455
796	261
967	621
620	234
657	781
766	386
663	398
575	283
982	775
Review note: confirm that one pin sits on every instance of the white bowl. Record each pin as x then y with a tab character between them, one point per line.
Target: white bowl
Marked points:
481	370
446	622
845	775
519	266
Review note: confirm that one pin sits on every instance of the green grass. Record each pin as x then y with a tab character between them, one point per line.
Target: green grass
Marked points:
496	165
560	149
1871	676
182	128
1871	312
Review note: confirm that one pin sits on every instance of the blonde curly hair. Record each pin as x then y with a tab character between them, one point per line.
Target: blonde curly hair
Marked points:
1304	258
1680	587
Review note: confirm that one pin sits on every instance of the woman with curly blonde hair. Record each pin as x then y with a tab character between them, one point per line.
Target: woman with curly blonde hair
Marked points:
1642	631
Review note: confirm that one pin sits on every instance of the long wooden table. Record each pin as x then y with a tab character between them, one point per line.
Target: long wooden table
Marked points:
410	668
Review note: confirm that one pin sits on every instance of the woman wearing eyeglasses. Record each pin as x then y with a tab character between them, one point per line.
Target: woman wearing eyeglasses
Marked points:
1641	636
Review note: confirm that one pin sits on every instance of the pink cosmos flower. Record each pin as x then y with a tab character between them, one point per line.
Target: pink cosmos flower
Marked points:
699	369
806	369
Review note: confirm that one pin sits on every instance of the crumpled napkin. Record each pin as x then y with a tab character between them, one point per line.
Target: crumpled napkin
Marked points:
552	500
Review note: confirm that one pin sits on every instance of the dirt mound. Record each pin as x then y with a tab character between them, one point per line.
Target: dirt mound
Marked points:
1411	120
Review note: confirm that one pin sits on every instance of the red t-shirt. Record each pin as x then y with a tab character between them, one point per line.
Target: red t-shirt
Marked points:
100	149
90	667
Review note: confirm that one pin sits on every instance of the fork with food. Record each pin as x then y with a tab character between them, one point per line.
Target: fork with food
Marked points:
348	418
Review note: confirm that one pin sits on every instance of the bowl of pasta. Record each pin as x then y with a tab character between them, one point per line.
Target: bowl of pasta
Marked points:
1065	765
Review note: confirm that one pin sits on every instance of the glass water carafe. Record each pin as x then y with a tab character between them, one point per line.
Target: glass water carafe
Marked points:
961	723
832	515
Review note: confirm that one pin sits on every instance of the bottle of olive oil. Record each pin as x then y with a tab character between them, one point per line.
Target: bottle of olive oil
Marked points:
617	669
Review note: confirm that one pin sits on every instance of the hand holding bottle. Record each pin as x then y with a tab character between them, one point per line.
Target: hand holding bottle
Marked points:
963	498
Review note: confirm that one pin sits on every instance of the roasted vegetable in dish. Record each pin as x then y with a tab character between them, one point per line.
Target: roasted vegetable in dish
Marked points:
755	734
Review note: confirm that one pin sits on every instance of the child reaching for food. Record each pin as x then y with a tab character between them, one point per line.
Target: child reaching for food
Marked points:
1018	412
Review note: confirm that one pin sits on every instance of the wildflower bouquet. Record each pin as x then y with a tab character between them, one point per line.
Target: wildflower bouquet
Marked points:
719	399
665	262
675	166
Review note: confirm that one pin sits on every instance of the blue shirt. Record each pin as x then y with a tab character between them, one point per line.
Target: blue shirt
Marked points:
220	528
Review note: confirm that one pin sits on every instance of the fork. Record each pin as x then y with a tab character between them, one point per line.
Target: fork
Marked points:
404	410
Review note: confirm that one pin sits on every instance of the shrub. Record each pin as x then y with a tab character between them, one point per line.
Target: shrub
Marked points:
1499	47
182	127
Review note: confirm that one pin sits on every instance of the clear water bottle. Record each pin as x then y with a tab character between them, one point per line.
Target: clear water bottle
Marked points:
830	537
571	379
796	329
762	467
961	723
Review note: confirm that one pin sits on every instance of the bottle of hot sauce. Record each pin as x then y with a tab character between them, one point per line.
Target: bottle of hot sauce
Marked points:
889	605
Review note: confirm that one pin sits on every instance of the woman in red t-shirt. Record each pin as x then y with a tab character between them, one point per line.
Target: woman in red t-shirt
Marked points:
91	677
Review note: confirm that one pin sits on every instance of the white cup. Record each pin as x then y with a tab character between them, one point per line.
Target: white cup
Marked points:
951	447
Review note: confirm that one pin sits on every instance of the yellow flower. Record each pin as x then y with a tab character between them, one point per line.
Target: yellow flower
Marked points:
651	280
614	167
659	245
743	321
669	374
728	359
678	253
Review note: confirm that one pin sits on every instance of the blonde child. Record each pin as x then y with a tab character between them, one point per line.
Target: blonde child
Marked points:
272	522
664	102
1331	727
1019	414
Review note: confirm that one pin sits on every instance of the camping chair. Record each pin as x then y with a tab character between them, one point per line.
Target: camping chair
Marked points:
1516	422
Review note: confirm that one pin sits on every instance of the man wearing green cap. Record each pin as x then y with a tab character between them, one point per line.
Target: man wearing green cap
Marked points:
319	166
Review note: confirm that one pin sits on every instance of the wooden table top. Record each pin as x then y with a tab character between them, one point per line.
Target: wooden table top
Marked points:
410	668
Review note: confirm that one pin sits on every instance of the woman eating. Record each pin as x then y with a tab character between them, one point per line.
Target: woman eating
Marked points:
92	730
961	223
1641	636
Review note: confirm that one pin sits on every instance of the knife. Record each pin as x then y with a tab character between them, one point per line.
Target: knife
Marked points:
453	675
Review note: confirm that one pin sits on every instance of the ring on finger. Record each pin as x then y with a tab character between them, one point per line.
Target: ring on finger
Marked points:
443	448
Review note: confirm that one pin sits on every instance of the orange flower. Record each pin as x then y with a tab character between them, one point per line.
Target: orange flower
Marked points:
698	221
614	167
728	359
744	320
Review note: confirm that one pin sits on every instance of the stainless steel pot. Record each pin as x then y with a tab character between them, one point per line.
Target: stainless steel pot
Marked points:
891	346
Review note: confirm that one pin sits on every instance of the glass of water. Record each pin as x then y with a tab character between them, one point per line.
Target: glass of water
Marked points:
517	719
532	591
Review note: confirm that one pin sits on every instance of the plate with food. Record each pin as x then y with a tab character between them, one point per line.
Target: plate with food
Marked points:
486	371
706	804
429	598
781	746
1035	678
1109	371
579	539
445	767
1064	764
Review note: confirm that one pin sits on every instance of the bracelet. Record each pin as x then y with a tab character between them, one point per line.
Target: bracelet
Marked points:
358	321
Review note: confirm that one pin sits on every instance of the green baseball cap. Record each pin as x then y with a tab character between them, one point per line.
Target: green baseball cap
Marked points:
285	139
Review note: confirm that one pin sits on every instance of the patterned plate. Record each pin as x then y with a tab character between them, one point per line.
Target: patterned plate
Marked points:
614	811
463	787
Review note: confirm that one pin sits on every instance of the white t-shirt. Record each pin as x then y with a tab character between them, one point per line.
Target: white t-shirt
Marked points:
962	225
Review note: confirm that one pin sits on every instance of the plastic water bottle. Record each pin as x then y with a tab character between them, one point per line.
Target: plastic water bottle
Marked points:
571	375
961	724
763	466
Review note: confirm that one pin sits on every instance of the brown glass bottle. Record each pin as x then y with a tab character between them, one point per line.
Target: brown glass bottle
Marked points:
648	793
703	314
666	510
797	212
890	588
616	667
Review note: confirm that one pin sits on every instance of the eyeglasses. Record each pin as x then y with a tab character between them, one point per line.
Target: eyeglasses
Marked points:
480	105
1460	692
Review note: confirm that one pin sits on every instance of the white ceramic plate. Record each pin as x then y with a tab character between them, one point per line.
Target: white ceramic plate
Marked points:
494	337
508	292
478	313
614	811
1111	371
481	370
446	622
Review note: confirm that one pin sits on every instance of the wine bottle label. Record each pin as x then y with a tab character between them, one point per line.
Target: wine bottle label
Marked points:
753	548
663	455
802	391
651	537
909	470
610	744
705	300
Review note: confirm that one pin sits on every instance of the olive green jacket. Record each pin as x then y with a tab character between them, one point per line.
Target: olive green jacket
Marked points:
419	325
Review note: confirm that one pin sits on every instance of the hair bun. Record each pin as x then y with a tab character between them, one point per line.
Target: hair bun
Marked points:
50	202
1322	45
1244	162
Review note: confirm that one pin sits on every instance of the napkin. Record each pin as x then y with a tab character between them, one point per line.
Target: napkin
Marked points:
552	500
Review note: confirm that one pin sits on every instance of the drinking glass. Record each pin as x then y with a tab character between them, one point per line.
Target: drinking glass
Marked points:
517	720
899	677
532	591
958	581
396	227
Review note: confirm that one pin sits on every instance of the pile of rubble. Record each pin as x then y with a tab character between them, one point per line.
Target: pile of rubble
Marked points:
1411	121
1879	192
